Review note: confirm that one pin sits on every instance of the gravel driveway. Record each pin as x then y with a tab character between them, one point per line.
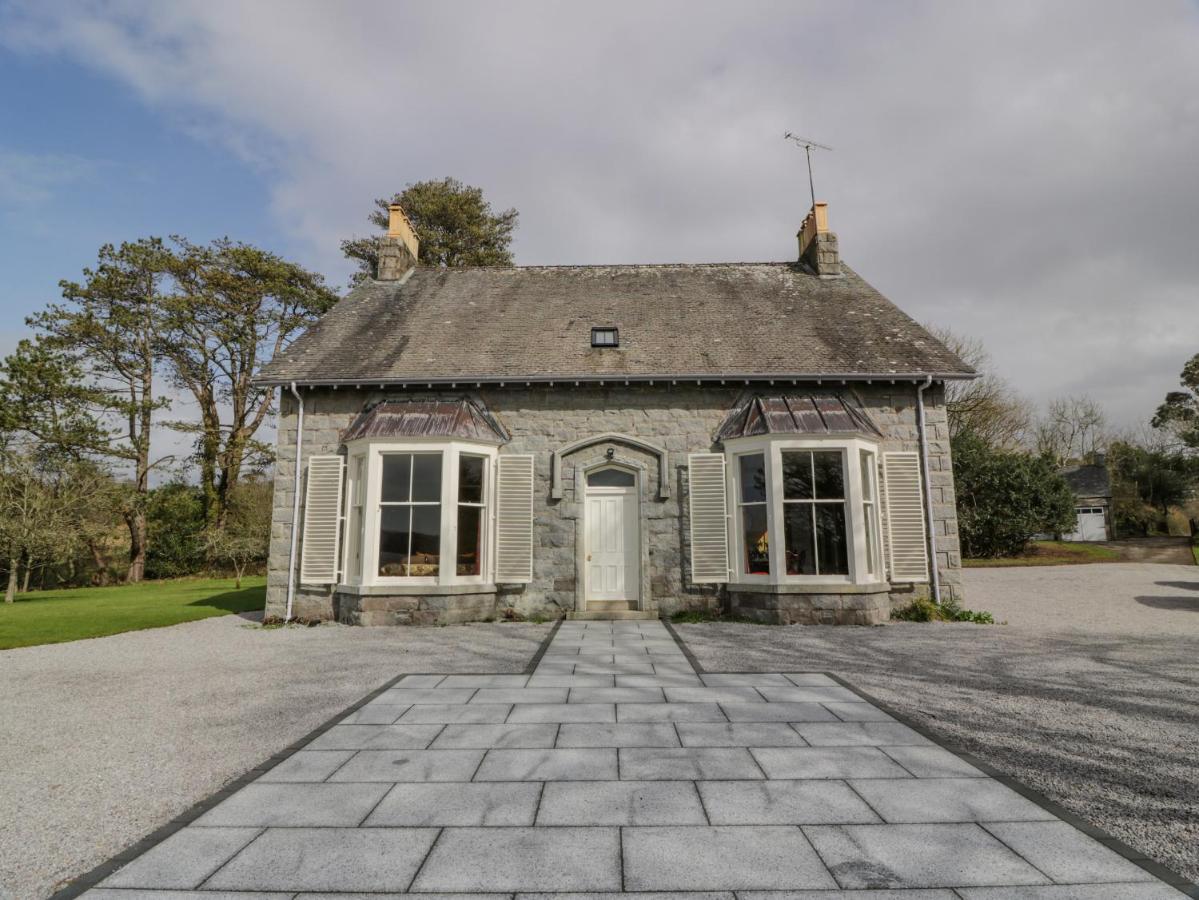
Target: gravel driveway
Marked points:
102	741
1090	693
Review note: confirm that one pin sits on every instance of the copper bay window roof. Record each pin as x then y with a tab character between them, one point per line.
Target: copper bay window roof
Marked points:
755	414
461	417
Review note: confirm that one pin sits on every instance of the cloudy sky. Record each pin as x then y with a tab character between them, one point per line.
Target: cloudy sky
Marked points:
1026	173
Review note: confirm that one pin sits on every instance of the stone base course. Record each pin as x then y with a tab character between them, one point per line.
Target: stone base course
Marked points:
770	786
435	609
810	609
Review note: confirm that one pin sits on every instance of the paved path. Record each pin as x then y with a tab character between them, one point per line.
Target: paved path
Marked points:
614	768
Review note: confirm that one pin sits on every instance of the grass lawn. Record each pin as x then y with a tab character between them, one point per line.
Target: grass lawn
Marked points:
1052	553
51	617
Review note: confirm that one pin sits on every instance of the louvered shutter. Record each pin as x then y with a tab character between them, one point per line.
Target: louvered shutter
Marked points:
514	518
708	499
322	520
907	540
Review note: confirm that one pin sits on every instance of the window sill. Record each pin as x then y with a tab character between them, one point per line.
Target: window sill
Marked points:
810	587
414	590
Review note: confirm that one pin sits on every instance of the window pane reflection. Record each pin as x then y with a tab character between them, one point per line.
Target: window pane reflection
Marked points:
797	536
470	479
426	478
756	540
397	477
470	540
394	533
830	475
753	478
426	541
830	539
797	475
611	478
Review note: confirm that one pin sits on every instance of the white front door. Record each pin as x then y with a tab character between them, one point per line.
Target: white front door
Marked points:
612	565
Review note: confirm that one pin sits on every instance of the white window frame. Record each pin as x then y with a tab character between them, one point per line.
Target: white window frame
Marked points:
450	450
738	519
355	494
772	446
871	512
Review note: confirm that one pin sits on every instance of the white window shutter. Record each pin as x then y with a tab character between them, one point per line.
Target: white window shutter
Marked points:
907	540
708	499
322	520
514	518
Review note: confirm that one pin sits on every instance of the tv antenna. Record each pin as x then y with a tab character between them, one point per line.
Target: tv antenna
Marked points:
807	144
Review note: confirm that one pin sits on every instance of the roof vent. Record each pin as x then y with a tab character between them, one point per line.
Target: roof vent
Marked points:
605	336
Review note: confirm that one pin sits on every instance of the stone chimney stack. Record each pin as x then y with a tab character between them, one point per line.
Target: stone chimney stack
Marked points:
818	245
398	248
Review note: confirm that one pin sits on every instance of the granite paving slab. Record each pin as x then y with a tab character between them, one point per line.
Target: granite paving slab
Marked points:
575	764
184	859
525	859
615	769
410	765
827	762
376	737
783	803
441	804
621	803
738	734
707	858
265	804
327	859
901	856
618	734
518	736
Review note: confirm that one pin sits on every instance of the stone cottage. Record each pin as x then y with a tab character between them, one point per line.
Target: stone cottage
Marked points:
618	441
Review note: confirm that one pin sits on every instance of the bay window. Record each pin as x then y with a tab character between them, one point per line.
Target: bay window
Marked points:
417	513
805	510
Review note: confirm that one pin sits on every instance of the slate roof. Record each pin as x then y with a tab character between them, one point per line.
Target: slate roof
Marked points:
789	414
534	323
1088	481
462	417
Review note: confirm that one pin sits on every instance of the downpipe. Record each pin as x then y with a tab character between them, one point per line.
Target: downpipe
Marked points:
295	506
934	571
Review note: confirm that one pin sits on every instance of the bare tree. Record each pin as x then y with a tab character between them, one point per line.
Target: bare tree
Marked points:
987	406
1074	429
43	494
244	537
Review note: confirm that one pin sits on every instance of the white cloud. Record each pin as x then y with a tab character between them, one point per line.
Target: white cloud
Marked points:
1018	171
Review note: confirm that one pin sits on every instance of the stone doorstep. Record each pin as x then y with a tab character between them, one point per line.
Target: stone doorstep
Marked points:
611	615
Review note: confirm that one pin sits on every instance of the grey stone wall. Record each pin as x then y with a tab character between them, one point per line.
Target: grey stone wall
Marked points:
541	419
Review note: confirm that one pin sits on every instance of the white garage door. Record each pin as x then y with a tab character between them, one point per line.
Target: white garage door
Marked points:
1091	525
